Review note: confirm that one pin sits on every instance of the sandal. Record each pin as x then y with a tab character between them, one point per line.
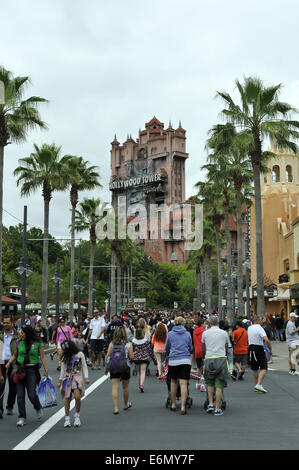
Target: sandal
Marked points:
116	412
129	406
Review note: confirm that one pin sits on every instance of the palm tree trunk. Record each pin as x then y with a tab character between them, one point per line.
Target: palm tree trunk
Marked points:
259	241
118	294
219	267
1	224
72	274
240	253
203	286
128	284
230	313
197	290
45	262
113	285
208	283
90	282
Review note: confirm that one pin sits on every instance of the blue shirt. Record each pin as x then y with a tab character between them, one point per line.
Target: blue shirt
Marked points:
6	349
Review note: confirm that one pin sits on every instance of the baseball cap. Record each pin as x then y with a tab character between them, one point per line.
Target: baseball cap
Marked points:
245	320
293	314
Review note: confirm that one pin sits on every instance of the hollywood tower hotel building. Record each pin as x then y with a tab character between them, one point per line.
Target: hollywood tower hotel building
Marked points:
151	170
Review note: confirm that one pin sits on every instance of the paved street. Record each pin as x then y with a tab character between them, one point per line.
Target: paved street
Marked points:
251	421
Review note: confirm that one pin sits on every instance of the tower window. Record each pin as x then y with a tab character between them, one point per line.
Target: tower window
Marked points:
276	174
289	176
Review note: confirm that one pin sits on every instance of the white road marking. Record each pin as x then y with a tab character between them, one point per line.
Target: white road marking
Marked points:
36	435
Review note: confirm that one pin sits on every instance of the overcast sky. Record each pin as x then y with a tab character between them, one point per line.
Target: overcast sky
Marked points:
109	67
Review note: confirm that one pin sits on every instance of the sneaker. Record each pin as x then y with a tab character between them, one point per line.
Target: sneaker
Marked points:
39	414
218	413
260	388
9	412
77	422
210	409
296	373
67	422
21	422
233	376
140	389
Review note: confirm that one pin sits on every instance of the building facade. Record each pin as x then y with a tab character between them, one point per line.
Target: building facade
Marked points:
148	173
280	213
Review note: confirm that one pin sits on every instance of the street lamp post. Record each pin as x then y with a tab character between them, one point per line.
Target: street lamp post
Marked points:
23	268
78	285
93	295
247	265
57	279
234	278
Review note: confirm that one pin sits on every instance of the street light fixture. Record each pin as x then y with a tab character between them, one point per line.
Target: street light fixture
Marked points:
21	269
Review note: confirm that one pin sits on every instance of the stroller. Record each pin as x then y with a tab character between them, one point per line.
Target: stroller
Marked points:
166	377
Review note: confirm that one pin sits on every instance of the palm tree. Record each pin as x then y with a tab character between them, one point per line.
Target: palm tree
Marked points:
195	260
86	218
240	172
17	117
208	248
217	173
152	282
260	116
211	196
80	177
41	169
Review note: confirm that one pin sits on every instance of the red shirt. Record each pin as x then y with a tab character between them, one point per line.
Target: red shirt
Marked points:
197	335
241	337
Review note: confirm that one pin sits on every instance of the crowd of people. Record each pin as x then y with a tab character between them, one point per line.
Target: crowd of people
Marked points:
182	346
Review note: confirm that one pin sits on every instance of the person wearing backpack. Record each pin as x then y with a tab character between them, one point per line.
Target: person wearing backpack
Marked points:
240	345
63	333
117	360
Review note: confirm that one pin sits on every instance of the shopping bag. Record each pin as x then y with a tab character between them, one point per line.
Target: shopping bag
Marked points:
46	392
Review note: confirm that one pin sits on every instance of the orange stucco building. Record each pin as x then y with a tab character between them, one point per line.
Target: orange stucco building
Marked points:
280	213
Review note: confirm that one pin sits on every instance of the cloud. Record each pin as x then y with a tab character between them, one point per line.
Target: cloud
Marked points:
108	67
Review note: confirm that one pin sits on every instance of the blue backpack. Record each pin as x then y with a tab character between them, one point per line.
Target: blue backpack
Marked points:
118	360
